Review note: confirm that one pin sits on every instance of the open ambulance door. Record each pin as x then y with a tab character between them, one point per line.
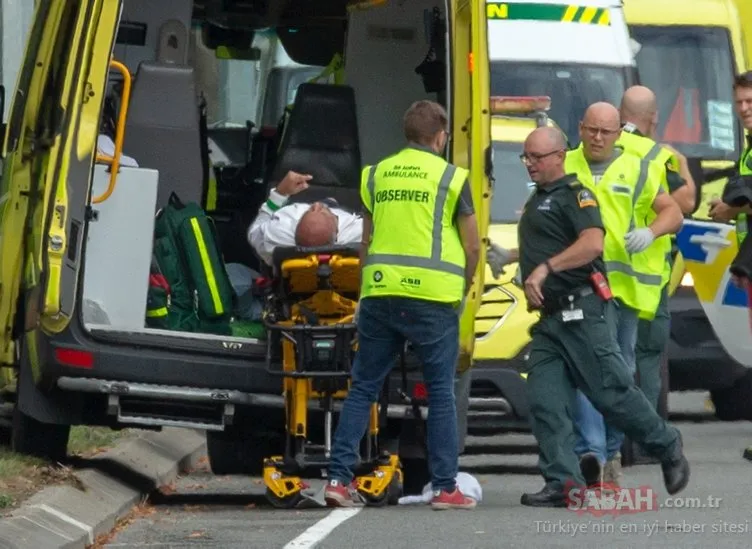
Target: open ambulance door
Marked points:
48	153
708	249
471	138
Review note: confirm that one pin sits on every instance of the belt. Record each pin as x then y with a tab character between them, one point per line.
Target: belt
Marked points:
566	300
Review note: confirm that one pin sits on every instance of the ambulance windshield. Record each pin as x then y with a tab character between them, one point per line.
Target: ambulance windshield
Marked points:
571	87
512	183
691	71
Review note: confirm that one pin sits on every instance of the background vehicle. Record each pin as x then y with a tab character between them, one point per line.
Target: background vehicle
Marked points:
502	321
75	367
577	53
688	53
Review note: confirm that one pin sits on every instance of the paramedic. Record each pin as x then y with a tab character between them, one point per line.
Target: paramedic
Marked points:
639	118
613	174
419	254
561	236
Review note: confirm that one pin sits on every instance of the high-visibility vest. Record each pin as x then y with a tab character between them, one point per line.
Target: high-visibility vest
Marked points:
657	258
415	249
626	190
742	220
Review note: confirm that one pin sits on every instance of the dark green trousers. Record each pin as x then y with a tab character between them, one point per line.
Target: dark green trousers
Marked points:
652	338
584	354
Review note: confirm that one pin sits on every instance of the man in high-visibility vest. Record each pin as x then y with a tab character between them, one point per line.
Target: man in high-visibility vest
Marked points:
639	118
419	253
720	210
628	189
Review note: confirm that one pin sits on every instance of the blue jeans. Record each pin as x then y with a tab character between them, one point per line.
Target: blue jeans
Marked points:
384	323
593	434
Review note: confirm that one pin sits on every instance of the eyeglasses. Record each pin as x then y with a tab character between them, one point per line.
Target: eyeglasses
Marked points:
533	157
603	131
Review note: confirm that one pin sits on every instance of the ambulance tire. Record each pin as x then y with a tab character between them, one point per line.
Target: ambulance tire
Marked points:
415	475
47	441
29	436
239	452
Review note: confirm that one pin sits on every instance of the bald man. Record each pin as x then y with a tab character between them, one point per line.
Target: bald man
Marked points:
639	118
279	223
629	192
574	347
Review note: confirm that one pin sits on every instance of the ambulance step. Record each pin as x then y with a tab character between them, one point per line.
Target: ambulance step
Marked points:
210	417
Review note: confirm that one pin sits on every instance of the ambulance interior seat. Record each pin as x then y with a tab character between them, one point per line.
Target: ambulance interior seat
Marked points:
162	130
321	139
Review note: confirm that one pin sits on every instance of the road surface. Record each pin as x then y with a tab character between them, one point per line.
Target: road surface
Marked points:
714	511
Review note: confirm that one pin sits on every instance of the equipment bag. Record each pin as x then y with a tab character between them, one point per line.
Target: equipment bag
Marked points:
158	302
186	250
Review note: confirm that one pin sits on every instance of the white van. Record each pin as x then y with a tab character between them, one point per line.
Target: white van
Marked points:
576	52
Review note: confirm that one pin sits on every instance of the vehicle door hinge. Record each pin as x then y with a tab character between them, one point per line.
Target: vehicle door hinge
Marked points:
88	92
91	214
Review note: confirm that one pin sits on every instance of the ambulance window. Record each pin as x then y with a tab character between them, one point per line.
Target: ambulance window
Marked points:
691	71
571	88
511	183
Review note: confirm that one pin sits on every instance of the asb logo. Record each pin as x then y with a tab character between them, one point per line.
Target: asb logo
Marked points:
377	276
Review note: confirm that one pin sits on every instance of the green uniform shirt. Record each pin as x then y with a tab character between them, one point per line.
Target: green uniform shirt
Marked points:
552	220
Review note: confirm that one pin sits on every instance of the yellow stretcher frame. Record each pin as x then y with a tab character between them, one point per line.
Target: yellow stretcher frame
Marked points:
114	161
302	276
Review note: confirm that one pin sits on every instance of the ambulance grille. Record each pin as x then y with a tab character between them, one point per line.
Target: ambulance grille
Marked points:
497	303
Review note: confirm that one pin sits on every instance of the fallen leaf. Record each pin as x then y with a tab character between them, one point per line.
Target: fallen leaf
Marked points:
250	506
197	534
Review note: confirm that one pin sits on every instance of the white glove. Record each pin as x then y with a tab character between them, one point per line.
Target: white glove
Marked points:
638	240
497	257
517	280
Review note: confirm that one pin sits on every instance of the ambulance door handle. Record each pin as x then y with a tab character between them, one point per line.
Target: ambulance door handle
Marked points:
710	240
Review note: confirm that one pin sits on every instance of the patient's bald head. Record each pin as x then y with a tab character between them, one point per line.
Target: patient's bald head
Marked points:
317	227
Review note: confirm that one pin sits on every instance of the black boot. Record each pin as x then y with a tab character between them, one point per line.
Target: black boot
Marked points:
548	497
676	470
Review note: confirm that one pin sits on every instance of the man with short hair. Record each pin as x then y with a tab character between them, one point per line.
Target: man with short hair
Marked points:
319	224
629	192
419	254
639	118
574	347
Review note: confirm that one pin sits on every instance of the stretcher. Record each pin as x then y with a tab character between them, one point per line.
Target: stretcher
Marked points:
310	301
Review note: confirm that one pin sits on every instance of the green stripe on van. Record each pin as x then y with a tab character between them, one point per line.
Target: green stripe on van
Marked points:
548	12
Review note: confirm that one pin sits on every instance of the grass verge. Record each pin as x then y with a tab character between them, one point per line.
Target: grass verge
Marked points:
22	476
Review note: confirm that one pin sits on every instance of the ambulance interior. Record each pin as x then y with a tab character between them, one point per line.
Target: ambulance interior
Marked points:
334	130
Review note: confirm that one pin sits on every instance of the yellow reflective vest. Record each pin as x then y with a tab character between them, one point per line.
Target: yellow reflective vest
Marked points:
626	191
415	249
742	219
656	259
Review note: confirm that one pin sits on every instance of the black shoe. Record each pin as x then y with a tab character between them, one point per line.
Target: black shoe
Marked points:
676	470
548	497
747	453
590	468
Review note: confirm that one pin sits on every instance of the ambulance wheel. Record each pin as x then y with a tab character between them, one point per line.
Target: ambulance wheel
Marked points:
43	440
239	452
415	475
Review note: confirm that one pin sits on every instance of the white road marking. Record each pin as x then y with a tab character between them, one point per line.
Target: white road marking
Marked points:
318	532
70	520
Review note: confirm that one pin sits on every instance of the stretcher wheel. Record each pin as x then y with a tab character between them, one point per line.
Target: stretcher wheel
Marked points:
287	502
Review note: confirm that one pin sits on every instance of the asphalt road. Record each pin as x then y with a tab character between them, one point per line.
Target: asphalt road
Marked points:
230	512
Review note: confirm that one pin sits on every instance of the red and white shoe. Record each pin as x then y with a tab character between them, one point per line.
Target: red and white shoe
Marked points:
337	494
452	500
